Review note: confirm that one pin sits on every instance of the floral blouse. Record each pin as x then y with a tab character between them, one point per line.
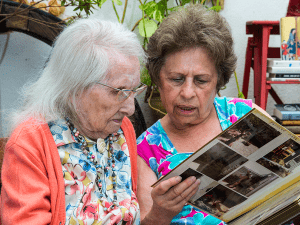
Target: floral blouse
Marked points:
84	204
155	147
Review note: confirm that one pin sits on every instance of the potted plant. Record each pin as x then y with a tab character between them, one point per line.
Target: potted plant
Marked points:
153	12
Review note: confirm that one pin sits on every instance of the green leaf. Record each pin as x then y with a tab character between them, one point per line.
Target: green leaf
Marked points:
118	2
150	8
149	25
101	2
142	7
185	2
162	5
157	15
162	8
216	8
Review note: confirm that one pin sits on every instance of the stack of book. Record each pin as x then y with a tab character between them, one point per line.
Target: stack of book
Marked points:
282	70
288	115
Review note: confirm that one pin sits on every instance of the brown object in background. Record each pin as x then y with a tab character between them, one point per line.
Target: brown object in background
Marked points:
293	8
2	147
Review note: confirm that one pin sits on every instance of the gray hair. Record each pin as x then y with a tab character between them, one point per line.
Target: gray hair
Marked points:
79	58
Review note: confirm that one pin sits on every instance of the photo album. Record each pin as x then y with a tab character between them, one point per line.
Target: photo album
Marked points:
247	164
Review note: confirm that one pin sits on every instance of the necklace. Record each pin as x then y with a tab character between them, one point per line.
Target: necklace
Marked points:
99	168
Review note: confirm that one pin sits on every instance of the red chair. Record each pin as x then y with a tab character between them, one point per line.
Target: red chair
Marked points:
257	53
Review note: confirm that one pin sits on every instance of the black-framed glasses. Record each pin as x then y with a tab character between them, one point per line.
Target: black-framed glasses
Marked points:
123	94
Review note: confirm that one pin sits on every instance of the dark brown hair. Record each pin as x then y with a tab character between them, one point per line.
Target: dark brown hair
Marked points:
192	27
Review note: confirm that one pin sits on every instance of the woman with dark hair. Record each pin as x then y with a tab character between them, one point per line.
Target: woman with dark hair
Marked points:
190	58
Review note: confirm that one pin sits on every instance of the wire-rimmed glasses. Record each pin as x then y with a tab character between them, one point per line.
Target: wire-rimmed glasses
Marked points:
123	94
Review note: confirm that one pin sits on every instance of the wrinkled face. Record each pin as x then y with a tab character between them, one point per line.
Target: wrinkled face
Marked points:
100	113
188	86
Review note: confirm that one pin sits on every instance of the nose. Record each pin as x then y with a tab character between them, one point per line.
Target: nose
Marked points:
128	106
188	89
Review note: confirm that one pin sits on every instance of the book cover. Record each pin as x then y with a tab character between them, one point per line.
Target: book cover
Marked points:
290	38
287	111
282	63
283	79
283	75
289	70
288	122
244	166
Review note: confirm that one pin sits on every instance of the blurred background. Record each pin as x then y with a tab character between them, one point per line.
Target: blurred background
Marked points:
25	56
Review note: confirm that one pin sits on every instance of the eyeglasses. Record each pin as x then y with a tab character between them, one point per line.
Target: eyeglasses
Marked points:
123	94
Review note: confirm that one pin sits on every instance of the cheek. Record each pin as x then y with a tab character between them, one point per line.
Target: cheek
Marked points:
167	96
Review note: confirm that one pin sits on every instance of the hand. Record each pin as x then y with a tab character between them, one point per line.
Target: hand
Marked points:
170	196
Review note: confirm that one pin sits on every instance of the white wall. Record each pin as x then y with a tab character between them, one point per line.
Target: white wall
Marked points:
25	55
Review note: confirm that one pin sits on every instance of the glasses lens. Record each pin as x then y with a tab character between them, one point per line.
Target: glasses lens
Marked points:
123	94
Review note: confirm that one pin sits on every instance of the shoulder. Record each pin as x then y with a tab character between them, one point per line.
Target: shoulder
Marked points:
30	131
155	129
229	110
237	102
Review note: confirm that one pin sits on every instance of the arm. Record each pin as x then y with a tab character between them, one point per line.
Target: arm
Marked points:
25	195
261	110
160	204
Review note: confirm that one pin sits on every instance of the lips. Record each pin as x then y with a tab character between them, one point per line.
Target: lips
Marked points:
117	120
186	108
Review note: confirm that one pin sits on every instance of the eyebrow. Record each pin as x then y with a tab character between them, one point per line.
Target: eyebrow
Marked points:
122	87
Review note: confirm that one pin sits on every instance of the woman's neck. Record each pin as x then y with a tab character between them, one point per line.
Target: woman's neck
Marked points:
191	138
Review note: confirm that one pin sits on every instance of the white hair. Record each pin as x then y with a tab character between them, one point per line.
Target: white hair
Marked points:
79	58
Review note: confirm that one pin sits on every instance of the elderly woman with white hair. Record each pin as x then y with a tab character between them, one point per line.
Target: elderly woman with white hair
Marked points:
71	155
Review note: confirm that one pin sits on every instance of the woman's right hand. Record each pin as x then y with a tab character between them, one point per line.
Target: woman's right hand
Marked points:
169	197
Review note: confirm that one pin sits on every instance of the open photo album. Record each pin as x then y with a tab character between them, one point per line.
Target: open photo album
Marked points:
248	163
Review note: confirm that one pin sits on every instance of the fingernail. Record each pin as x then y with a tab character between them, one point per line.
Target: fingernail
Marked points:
178	178
192	179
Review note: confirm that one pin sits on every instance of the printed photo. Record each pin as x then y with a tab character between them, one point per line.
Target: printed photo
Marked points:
285	153
189	172
297	159
205	186
219	161
248	181
274	167
218	201
248	135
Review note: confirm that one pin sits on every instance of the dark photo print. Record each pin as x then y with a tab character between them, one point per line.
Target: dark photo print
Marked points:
190	172
219	161
248	135
274	167
218	201
284	153
246	181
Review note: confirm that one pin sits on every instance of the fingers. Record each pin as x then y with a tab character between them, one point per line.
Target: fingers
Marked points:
164	186
184	188
175	192
171	195
186	194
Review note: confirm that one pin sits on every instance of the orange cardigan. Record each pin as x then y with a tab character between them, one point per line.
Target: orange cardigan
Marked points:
33	189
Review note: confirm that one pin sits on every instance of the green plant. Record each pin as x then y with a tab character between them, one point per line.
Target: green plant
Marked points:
153	12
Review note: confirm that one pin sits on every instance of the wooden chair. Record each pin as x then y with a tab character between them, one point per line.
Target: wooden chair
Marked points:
2	147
